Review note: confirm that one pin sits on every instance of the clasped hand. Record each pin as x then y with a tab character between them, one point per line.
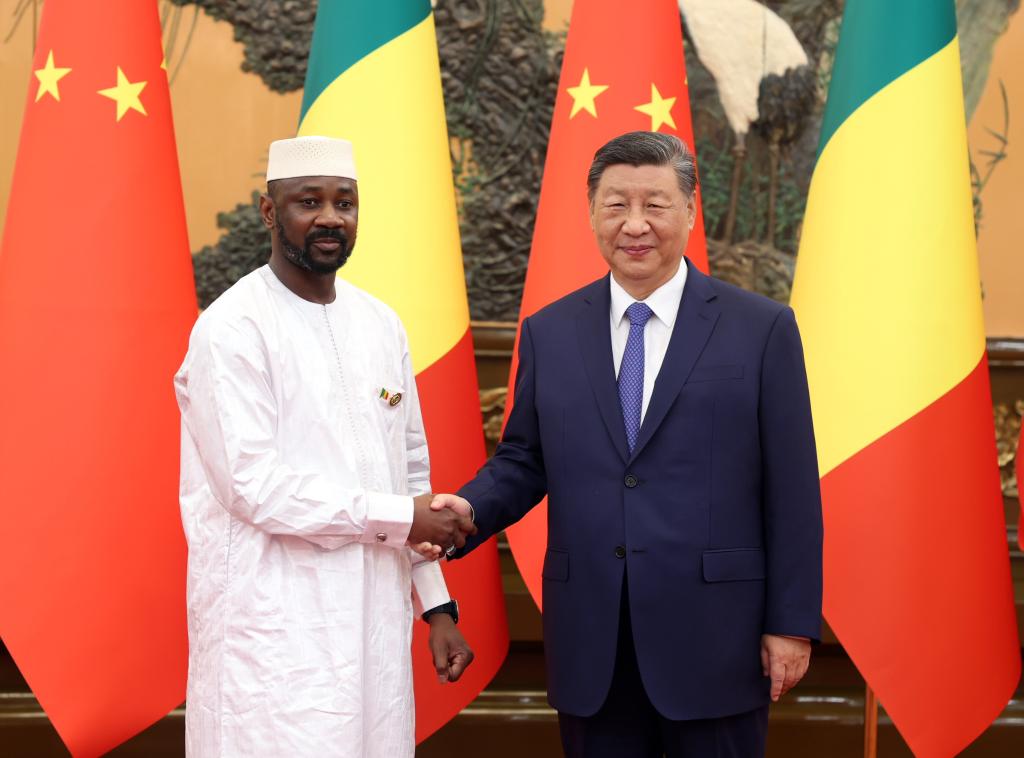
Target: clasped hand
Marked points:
439	522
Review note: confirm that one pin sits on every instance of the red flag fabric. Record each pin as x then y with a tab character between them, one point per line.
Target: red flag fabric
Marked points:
606	88
96	303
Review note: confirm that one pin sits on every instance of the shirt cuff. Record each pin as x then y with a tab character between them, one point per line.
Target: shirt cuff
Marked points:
429	586
388	519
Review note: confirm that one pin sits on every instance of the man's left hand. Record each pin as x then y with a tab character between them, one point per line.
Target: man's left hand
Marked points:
451	653
785	661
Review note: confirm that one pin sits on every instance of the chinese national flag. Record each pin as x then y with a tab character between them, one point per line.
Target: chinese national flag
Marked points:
96	303
621	72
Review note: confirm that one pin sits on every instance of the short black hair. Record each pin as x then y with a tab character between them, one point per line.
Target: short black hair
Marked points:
645	149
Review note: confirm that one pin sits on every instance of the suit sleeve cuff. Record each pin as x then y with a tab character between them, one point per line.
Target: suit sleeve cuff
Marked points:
806	626
388	519
429	588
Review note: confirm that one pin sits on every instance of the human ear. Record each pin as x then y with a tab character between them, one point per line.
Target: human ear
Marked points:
267	210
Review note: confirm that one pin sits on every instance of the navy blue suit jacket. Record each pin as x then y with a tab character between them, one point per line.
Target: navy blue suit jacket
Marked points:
716	513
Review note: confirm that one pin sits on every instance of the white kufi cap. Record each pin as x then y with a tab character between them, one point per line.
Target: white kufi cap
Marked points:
310	156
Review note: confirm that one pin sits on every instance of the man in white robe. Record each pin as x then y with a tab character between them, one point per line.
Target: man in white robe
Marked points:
304	479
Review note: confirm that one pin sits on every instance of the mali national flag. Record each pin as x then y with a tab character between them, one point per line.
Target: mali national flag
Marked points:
621	72
96	303
374	79
917	582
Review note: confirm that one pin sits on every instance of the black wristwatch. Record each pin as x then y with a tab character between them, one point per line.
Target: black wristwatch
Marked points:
451	608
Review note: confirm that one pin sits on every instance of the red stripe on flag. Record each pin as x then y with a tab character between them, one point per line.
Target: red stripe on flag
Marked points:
915	555
451	413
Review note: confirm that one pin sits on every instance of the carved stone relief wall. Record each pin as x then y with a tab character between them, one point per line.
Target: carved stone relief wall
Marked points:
500	75
499	71
1008	424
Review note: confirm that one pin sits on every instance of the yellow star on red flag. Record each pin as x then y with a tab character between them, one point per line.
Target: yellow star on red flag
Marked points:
584	94
48	77
659	109
125	94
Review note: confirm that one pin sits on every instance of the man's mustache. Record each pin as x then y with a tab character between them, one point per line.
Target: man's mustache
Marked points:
326	234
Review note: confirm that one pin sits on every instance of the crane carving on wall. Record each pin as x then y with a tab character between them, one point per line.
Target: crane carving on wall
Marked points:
762	77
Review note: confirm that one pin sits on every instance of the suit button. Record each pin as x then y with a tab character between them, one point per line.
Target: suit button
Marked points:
620	552
631	481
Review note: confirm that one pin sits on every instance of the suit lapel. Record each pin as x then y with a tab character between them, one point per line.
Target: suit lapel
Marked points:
698	313
594	332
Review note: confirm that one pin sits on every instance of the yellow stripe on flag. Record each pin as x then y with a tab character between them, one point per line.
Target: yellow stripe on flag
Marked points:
390	106
886	285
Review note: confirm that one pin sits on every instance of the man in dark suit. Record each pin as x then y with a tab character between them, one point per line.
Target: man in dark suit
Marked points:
665	414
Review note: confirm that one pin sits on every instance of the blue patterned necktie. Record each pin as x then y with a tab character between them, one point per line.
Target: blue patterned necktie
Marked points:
631	372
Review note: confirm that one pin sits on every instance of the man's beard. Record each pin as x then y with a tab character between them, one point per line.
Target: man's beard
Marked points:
301	257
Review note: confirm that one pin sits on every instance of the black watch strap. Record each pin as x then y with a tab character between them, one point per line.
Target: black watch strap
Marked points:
451	608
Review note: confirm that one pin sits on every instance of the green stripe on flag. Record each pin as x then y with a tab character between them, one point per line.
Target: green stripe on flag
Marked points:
880	40
346	32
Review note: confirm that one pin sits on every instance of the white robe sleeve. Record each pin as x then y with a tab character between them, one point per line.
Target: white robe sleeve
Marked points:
429	588
228	407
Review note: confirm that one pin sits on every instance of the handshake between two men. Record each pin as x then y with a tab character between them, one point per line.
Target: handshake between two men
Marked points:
440	524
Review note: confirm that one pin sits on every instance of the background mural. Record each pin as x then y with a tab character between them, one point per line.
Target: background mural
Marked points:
758	72
758	77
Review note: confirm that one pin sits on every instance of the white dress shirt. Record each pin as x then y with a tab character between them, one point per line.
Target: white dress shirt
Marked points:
664	302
